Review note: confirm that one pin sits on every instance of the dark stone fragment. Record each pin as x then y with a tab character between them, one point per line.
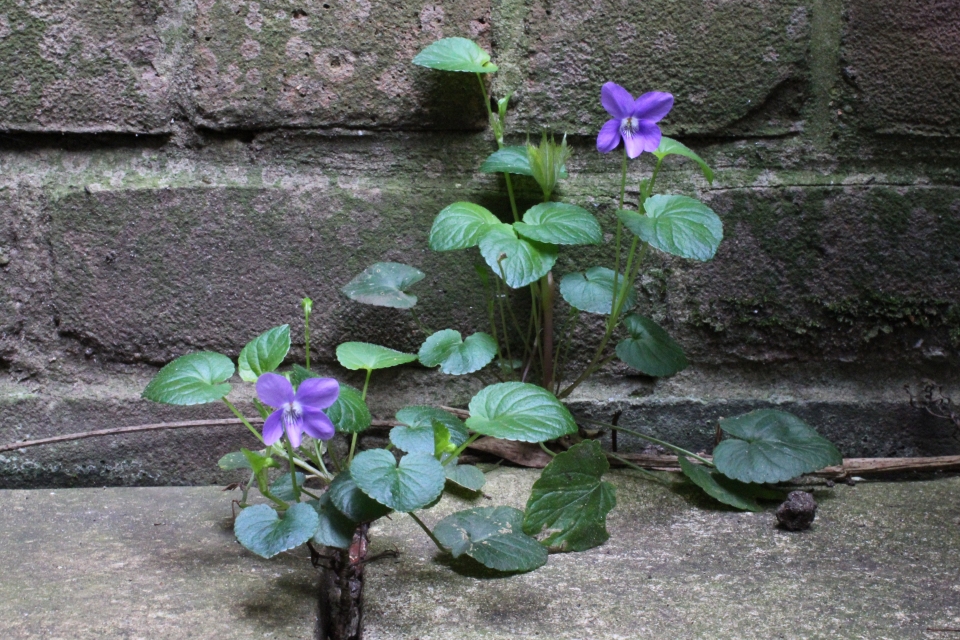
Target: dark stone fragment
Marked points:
797	512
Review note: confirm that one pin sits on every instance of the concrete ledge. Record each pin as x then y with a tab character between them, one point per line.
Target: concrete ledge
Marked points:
879	563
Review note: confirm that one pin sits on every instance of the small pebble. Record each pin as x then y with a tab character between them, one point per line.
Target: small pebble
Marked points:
797	512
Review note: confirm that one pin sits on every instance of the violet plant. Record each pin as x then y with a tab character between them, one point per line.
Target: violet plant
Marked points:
314	497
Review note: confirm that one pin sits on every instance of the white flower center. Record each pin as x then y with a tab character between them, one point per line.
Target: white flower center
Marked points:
292	414
629	126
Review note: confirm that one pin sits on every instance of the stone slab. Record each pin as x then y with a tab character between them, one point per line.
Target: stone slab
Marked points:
902	64
144	563
558	54
324	63
880	562
87	67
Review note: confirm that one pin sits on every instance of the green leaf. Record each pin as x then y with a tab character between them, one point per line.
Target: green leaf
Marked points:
570	501
710	482
592	291
441	440
456	356
418	437
347	497
455	54
335	530
465	475
264	353
369	357
559	223
298	374
416	482
195	378
384	284
261	530
349	414
650	349
508	160
460	226
281	487
768	445
523	261
677	225
493	536
669	146
257	461
234	460
519	411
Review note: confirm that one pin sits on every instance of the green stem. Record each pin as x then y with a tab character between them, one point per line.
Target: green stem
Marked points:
366	383
623	191
506	176
419	324
546	290
353	447
544	447
429	533
503	316
466	444
335	459
323	467
291	456
636	467
236	412
662	443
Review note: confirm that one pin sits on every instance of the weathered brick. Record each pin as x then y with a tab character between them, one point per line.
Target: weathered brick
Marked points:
903	61
84	66
324	63
734	67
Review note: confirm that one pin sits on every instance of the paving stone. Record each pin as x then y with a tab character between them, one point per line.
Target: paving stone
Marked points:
902	60
143	563
323	63
725	82
87	67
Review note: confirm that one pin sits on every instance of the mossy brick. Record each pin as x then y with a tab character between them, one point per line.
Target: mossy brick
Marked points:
321	63
735	68
901	61
87	67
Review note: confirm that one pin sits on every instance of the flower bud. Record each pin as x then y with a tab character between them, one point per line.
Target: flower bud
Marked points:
548	163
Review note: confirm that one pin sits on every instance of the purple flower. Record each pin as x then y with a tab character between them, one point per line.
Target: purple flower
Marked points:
297	413
633	120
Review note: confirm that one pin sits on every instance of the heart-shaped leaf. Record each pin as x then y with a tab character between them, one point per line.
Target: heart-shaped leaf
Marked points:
570	501
349	414
384	284
283	489
335	530
677	225
559	223
493	536
519	262
669	146
465	475
519	411
264	353
414	483
369	357
418	436
715	487
768	445
347	497
457	356
508	160
650	349
234	460
460	226
455	54
592	291
195	378
261	530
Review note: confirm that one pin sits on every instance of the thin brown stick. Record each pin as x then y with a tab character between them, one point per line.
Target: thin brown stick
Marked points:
223	422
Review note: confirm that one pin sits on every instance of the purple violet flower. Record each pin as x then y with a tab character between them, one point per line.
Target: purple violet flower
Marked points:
298	412
633	120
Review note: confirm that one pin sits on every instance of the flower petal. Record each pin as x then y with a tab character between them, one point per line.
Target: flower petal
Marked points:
616	100
609	136
652	106
649	133
318	392
294	429
316	424
273	427
274	390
